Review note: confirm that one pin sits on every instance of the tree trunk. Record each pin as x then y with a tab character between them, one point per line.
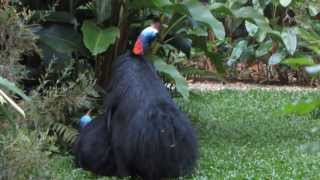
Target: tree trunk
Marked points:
105	60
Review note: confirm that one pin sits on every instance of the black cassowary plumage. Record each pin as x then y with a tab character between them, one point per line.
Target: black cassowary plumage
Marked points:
142	132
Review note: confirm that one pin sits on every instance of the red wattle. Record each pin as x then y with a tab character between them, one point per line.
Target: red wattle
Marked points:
138	47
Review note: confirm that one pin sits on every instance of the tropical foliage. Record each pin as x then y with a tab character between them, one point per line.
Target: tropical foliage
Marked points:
271	33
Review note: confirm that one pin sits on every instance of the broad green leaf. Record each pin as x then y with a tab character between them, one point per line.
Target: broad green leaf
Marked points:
289	38
248	53
276	35
238	50
55	45
260	5
285	3
96	39
264	49
161	3
13	88
277	57
313	69
221	8
61	38
61	17
202	14
261	35
254	15
302	108
256	4
48	54
252	29
181	83
234	4
158	4
296	62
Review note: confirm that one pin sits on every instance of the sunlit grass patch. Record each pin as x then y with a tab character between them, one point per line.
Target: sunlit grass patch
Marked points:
242	135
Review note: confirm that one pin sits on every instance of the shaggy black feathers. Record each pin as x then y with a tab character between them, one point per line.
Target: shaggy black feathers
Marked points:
142	133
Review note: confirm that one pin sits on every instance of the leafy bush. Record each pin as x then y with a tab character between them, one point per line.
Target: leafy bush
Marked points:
24	156
58	102
15	39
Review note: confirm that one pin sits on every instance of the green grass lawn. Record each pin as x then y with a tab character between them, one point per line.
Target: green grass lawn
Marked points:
242	135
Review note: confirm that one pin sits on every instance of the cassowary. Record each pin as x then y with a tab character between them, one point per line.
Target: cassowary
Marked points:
142	132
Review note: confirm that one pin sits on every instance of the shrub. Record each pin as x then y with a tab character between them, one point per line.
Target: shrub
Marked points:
24	156
15	39
58	103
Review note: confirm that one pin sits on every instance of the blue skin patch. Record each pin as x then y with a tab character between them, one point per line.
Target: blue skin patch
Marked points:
147	36
85	120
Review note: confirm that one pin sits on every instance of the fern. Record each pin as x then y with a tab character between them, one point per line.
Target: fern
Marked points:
65	133
60	100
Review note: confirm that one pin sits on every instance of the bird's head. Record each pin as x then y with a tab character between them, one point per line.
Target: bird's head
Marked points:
85	120
146	37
